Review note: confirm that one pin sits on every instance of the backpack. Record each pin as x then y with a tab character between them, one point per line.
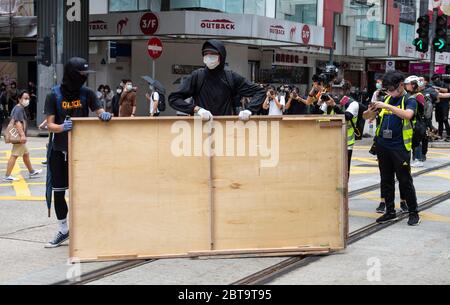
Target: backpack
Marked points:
359	127
428	112
420	127
161	102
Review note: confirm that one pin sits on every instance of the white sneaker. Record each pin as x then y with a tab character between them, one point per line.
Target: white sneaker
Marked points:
10	179
419	164
35	173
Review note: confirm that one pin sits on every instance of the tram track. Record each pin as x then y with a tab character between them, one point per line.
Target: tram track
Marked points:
286	266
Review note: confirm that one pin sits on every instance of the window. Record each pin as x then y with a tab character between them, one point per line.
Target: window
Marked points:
134	5
303	11
257	7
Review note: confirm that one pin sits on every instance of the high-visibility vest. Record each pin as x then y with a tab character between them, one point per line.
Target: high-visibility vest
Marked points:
408	126
351	138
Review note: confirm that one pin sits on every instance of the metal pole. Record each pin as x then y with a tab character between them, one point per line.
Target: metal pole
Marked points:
154	68
431	36
334	37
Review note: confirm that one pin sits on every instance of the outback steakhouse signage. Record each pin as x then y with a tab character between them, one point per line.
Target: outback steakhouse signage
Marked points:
218	24
277	30
210	24
98	25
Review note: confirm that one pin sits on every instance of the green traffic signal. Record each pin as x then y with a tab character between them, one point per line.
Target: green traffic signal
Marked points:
439	44
421	45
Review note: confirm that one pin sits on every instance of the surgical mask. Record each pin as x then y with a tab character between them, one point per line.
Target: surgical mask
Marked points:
152	88
421	83
211	61
129	87
25	103
379	86
119	91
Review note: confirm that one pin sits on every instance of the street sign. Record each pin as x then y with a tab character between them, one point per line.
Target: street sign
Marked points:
390	65
149	24
155	48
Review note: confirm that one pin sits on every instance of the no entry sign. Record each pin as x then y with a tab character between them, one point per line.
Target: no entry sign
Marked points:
149	24
155	48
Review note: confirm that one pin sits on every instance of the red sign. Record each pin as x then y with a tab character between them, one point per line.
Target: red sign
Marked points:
306	34
149	24
155	48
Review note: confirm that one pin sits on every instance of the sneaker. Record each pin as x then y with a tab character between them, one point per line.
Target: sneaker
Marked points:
416	164
58	241
414	220
404	207
388	217
382	208
44	162
10	179
35	173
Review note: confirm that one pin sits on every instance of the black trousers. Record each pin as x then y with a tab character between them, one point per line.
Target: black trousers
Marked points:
392	163
350	154
59	167
442	112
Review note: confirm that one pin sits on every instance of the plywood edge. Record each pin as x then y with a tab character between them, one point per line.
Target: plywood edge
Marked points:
221	118
234	254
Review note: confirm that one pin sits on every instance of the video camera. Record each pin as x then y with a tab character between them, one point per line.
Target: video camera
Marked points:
329	74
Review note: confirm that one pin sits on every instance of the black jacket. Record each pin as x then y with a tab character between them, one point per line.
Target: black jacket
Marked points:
216	93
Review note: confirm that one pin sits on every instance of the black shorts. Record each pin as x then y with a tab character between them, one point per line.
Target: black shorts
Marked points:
59	166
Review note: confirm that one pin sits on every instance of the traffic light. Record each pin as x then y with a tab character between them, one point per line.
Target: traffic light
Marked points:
44	51
422	42
440	40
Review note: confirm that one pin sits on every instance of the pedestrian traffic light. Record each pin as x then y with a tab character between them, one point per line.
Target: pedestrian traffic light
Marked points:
44	51
422	42
440	39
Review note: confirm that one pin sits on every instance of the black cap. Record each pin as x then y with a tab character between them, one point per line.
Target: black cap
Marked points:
81	65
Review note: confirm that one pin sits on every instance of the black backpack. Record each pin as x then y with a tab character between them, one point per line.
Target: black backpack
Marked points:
162	102
360	123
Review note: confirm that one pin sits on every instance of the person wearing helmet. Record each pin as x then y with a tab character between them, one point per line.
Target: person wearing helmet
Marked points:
413	85
214	88
70	99
394	137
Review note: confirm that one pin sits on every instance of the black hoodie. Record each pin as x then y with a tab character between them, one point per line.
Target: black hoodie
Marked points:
216	94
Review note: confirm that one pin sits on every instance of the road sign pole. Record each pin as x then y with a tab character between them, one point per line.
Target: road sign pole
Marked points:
433	52
154	69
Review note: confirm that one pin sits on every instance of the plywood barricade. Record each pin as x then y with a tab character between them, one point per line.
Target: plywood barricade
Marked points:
153	188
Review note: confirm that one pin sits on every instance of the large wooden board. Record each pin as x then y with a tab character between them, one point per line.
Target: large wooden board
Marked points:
132	196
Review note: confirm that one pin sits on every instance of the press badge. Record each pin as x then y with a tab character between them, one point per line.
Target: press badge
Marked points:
387	134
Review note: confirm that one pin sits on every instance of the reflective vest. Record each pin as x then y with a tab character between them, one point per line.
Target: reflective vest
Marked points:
408	130
351	139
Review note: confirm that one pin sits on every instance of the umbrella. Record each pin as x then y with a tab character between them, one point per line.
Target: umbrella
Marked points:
49	186
153	82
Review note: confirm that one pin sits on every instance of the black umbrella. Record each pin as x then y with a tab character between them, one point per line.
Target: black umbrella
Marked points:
157	84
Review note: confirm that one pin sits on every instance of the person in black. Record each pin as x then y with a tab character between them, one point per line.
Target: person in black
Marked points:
296	104
214	89
116	101
442	107
33	103
70	99
394	144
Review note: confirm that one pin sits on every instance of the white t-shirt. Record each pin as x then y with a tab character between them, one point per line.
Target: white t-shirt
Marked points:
353	108
154	98
273	108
